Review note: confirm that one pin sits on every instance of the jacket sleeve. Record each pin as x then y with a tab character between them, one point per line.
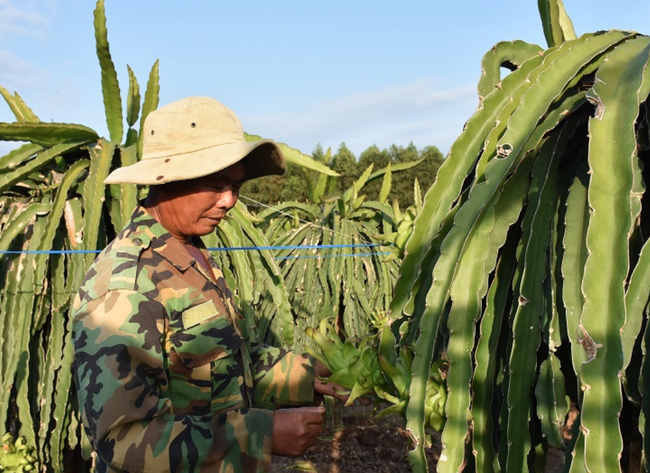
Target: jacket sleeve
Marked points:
122	380
281	377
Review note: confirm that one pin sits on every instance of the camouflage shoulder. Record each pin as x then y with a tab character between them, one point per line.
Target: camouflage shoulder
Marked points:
117	266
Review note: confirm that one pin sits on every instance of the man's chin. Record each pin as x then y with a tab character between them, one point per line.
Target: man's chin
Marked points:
213	227
206	229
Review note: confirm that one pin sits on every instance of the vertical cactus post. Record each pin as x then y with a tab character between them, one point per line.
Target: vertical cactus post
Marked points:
57	204
527	267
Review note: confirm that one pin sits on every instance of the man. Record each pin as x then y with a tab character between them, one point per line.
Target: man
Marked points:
167	377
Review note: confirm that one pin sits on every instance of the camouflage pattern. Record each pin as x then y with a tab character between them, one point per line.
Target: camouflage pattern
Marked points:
166	375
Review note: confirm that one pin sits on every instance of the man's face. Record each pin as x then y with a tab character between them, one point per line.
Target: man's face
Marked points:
195	207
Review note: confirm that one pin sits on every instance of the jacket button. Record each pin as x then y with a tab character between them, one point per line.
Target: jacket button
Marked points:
137	241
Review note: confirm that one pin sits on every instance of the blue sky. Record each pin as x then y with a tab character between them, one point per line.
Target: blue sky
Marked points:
300	72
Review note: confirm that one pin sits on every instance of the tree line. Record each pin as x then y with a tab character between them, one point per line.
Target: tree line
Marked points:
295	184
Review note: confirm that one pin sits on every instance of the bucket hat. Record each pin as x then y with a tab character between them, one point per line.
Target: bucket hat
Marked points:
192	138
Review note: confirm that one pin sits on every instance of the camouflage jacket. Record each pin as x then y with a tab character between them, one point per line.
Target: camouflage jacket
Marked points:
167	378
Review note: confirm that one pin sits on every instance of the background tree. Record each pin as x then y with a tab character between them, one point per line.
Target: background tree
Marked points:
293	185
378	159
425	172
296	183
403	184
345	163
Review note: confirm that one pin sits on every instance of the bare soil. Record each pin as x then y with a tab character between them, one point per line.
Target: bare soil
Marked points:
354	441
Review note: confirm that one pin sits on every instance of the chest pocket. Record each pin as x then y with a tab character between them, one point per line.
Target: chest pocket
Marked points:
205	364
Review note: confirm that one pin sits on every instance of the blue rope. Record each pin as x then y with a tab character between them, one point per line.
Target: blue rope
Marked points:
46	252
330	256
237	248
294	247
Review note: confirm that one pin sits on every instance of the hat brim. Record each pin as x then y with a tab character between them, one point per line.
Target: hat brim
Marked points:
261	158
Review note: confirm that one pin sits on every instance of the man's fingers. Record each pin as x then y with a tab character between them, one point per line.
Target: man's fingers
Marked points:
296	429
321	370
330	389
305	415
314	415
339	392
364	401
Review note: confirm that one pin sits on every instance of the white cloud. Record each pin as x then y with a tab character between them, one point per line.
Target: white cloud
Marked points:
21	18
16	73
417	112
19	21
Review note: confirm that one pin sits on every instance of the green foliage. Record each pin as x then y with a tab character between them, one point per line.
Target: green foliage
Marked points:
56	212
298	182
16	456
295	156
54	199
557	25
369	366
295	184
421	176
354	363
271	190
526	269
347	280
524	279
345	163
255	275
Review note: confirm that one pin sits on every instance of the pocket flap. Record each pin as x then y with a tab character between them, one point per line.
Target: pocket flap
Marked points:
210	340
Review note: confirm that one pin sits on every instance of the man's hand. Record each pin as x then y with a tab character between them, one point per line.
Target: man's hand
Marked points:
332	389
296	429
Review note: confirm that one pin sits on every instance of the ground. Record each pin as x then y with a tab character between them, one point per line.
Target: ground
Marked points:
354	441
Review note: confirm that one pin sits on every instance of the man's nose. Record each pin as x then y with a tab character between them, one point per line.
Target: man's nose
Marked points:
228	199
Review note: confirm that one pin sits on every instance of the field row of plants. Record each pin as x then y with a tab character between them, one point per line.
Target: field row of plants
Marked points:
508	298
340	258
